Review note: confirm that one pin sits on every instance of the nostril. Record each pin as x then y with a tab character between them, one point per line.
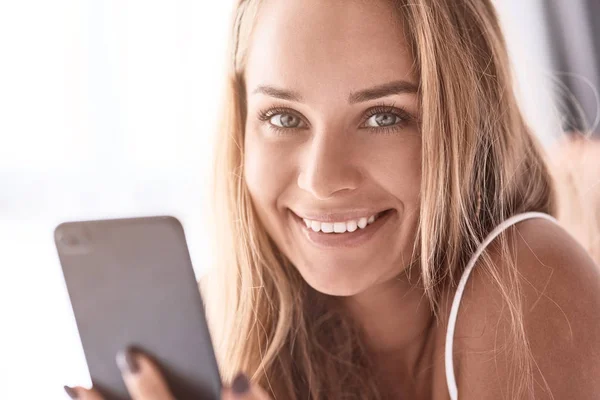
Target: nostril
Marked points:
324	181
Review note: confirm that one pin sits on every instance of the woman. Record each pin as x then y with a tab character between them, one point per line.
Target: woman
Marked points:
369	150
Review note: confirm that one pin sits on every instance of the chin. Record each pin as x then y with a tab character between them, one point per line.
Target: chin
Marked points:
335	284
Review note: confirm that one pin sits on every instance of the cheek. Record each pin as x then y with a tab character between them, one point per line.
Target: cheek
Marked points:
268	171
397	168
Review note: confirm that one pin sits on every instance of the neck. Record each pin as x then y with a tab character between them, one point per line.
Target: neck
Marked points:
396	320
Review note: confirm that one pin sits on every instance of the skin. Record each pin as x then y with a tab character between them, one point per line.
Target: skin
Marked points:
330	163
147	383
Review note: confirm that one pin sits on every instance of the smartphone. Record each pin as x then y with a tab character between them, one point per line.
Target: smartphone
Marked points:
131	283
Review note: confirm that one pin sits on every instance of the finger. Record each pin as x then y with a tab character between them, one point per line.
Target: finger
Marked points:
80	393
142	377
242	389
255	393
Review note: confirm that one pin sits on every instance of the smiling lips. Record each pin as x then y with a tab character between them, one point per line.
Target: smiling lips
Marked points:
340	227
342	230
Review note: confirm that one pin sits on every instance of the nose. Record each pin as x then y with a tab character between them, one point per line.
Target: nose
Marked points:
330	167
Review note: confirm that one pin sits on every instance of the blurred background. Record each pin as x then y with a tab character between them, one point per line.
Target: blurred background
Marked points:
108	109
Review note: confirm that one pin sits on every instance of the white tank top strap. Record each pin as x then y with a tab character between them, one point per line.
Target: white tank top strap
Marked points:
450	378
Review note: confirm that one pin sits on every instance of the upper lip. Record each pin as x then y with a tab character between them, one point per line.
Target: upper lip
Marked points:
338	215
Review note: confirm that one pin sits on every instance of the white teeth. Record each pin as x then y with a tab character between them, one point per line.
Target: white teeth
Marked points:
339	227
351	226
315	226
326	227
362	223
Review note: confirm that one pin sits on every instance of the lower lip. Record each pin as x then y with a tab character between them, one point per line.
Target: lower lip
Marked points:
346	239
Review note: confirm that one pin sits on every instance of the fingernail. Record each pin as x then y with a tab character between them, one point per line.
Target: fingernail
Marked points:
71	392
240	384
127	362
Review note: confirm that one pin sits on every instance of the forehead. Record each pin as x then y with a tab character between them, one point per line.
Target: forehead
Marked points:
327	46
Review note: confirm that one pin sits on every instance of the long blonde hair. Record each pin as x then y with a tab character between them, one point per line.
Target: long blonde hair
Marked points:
480	165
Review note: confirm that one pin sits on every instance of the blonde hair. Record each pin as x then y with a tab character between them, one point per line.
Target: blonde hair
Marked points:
265	320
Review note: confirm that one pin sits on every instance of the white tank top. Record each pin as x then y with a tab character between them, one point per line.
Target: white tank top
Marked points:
450	378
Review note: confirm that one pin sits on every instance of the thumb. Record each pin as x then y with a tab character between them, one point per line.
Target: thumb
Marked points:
242	389
142	377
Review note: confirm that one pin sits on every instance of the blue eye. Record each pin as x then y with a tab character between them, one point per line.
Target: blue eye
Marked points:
382	120
284	120
386	118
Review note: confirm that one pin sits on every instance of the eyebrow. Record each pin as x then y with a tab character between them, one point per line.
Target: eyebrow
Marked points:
372	93
387	89
278	93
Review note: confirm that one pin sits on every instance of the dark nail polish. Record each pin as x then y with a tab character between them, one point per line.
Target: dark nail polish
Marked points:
240	384
71	392
127	361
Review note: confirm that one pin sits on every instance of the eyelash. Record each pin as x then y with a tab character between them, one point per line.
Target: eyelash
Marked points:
385	108
382	108
267	114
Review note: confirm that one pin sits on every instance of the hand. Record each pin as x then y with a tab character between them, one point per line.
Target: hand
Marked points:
145	382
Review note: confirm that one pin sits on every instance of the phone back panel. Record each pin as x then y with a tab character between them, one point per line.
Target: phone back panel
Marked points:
131	282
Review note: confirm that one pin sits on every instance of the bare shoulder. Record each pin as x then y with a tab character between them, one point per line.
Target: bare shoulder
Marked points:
560	284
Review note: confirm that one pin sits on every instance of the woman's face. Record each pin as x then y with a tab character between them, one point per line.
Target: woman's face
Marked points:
332	140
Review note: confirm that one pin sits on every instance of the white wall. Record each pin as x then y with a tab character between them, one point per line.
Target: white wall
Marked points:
529	48
106	109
